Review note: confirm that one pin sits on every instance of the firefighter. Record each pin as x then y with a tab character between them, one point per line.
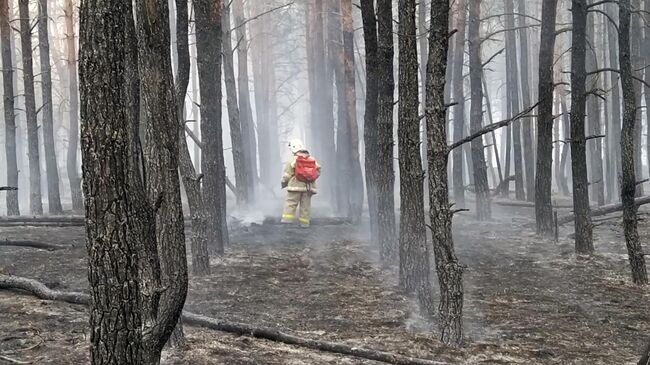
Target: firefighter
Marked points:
299	178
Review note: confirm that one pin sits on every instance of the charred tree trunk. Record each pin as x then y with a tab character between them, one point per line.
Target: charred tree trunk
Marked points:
242	180
9	110
526	123
73	135
543	180
615	121
513	98
385	100
638	65
583	227
628	181
191	182
594	120
459	97
356	176
35	200
646	89
413	249
51	169
245	109
566	124
208	44
450	271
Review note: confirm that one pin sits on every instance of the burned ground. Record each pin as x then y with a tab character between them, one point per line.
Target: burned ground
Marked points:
528	300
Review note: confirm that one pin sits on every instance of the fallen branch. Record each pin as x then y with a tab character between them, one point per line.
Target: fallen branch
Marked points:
8	188
14	361
41	291
32	244
605	209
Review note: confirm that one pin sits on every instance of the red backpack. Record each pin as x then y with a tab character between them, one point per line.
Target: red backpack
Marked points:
306	169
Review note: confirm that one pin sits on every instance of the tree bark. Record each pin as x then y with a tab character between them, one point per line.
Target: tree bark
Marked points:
628	181
413	249
482	188
208	44
385	183
543	180
615	135
583	227
242	179
245	109
449	270
35	200
459	97
566	124
526	123
51	169
13	207
191	182
594	120
638	65
423	43
73	135
512	82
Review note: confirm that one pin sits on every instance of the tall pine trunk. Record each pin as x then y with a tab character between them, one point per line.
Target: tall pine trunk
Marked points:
413	249
35	199
638	65
208	44
526	123
51	169
9	110
628	181
543	180
459	97
595	146
615	122
73	135
450	271
583	227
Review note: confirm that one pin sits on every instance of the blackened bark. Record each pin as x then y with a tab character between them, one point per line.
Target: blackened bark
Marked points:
628	181
356	175
543	180
615	122
8	105
583	227
450	271
526	123
459	97
245	109
35	202
73	135
208	44
191	182
566	124
512	81
413	249
116	209
51	169
385	183
160	121
482	189
371	109
242	180
595	146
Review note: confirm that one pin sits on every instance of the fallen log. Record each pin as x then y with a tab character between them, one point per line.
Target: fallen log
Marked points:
605	209
32	244
41	291
8	188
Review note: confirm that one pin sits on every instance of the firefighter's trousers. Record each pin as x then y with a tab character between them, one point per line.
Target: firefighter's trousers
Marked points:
295	199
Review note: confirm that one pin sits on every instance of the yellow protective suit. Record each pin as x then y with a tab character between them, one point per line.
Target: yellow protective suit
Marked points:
299	194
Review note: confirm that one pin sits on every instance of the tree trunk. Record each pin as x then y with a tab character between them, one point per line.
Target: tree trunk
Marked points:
638	65
543	180
119	223
385	101
245	109
513	98
566	124
482	189
73	135
615	122
208	44
423	43
35	200
413	249
526	123
628	181
242	179
450	271
191	182
594	120
583	227
356	175
646	89
459	97
51	169
9	110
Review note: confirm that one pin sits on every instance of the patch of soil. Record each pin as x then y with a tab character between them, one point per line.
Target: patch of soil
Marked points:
527	301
